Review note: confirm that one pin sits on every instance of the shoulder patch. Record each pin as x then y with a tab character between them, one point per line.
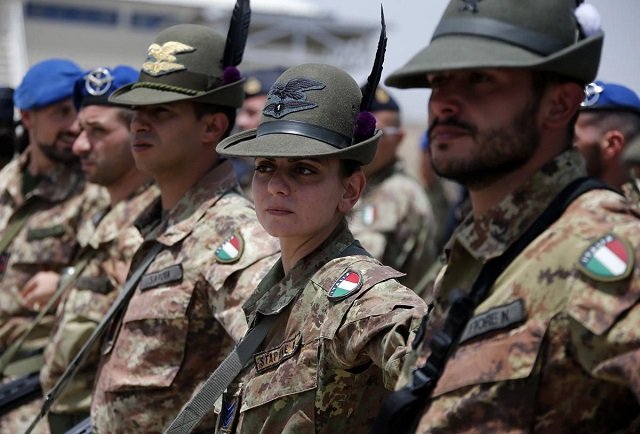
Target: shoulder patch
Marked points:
349	283
231	249
608	259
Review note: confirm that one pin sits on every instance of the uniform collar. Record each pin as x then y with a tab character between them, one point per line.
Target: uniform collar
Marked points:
277	290
178	223
490	235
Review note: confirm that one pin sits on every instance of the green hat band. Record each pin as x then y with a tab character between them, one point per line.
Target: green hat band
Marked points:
490	28
316	132
160	86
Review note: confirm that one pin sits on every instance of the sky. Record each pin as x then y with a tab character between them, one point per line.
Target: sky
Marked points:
410	24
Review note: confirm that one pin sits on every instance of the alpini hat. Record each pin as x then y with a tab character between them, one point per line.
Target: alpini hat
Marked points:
192	62
314	110
545	35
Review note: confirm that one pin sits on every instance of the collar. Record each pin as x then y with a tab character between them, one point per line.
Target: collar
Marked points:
179	221
491	234
277	290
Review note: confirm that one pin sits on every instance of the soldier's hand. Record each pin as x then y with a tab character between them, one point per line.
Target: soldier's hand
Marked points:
39	289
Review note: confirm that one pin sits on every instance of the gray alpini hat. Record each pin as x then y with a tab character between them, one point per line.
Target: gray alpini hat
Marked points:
536	34
314	110
192	62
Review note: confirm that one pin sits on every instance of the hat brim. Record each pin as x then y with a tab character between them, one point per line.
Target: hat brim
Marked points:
247	144
455	52
230	95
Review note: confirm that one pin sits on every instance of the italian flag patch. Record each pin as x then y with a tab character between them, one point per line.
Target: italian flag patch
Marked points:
346	285
231	249
608	259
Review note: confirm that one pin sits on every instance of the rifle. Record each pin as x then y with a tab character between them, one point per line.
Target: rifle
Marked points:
19	391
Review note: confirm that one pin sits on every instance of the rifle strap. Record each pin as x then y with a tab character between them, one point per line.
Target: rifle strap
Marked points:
203	401
117	307
9	354
401	410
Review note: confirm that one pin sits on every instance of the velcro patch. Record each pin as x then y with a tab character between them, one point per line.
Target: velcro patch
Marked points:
608	259
266	360
496	318
46	232
231	249
101	285
165	276
349	283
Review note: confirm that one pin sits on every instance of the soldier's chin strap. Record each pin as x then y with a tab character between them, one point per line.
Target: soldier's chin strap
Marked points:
117	307
402	409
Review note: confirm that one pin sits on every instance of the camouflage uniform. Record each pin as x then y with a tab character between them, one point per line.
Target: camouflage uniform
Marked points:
394	221
185	315
109	241
323	359
47	242
568	361
632	191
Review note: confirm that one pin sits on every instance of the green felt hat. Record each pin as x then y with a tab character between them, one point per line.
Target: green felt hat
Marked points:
534	34
185	62
310	111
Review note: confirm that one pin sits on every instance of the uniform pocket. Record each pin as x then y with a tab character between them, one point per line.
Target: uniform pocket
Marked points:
508	355
292	376
150	345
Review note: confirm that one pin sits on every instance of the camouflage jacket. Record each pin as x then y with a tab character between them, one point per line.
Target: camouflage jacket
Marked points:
108	241
324	357
554	347
394	221
632	191
185	316
47	242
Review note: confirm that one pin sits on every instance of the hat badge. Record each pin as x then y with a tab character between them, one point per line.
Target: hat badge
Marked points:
98	82
289	97
161	59
591	94
469	5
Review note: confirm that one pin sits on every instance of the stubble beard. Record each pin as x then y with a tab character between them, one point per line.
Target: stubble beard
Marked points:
497	152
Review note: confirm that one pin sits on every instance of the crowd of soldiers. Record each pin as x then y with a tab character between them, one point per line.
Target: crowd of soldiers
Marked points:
189	247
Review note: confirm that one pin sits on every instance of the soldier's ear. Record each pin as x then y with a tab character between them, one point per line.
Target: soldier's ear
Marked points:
560	103
25	118
353	187
215	126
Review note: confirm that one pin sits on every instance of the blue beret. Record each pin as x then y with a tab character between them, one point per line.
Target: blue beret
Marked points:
424	141
95	87
382	101
259	82
6	104
602	96
46	83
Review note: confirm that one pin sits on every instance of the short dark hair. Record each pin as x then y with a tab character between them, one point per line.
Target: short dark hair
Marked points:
202	109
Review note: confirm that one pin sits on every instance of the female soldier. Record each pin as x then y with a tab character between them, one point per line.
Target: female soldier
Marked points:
342	321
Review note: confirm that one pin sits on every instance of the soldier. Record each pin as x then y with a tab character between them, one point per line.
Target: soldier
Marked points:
609	118
533	325
108	240
393	219
43	199
341	321
631	159
184	316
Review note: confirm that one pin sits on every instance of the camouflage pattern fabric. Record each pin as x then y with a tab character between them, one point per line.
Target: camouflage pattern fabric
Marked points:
109	240
632	191
46	243
185	316
325	365
394	221
554	346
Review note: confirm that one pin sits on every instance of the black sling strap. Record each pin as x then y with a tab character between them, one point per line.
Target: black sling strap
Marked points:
401	410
